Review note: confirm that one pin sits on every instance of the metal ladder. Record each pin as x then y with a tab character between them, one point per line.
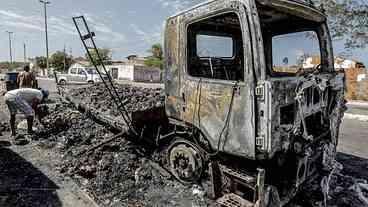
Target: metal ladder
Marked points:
89	44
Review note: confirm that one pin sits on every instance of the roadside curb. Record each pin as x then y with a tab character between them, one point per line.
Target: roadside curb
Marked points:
356	117
357	103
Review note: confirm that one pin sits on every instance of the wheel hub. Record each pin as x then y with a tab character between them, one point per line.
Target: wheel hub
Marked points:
185	162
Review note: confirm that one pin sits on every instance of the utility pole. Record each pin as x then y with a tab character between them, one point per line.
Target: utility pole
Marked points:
45	2
64	58
24	53
10	48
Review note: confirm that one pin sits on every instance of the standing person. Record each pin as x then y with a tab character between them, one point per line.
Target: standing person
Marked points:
25	100
26	79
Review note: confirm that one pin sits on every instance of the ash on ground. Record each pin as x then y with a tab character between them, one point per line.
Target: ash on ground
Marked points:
121	173
116	174
4	128
134	98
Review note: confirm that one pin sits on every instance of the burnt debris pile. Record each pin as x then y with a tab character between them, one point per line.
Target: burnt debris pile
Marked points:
118	173
4	127
134	98
68	128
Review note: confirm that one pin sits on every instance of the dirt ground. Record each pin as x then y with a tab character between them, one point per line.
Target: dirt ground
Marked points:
58	168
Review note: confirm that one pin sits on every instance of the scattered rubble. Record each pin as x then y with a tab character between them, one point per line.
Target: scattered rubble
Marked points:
121	173
344	190
134	98
115	174
4	127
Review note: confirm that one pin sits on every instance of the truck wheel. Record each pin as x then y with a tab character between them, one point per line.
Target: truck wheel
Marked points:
91	82
62	82
185	161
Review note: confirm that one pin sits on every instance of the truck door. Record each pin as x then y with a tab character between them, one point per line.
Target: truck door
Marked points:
218	88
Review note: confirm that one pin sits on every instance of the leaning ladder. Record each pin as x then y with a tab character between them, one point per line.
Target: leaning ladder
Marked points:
89	44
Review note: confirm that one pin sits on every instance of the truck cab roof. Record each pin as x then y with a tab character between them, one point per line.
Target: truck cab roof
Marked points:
303	8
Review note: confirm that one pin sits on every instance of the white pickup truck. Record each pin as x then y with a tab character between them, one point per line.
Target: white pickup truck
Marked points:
80	75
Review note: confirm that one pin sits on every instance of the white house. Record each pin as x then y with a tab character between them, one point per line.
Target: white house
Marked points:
132	72
340	63
121	71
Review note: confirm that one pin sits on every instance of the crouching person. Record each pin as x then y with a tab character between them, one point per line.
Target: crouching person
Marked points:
26	101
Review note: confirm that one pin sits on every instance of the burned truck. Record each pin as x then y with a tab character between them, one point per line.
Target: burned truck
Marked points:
240	79
252	99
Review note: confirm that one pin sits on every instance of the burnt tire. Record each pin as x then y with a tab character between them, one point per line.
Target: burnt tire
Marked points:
185	161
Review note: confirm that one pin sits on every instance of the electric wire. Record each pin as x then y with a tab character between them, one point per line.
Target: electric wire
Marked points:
227	122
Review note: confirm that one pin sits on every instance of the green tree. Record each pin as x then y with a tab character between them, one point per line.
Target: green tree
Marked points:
105	55
58	59
156	59
348	21
41	62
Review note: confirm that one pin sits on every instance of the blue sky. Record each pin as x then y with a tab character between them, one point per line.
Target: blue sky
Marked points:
125	26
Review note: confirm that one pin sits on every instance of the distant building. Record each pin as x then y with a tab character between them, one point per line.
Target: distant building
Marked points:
134	72
340	63
133	69
135	60
355	75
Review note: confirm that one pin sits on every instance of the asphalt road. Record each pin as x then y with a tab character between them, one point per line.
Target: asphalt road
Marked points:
354	138
358	108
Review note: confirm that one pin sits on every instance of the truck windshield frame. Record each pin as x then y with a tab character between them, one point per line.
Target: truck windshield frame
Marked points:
212	45
303	52
278	21
226	69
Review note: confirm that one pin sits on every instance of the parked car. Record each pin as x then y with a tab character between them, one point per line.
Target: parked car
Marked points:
80	75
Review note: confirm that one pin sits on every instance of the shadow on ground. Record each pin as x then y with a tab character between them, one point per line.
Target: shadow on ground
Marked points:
23	185
353	165
347	188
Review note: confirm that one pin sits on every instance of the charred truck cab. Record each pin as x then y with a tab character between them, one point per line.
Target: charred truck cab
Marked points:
252	92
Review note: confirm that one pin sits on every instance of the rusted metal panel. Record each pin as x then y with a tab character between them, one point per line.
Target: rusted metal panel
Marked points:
216	95
250	120
310	95
172	67
298	8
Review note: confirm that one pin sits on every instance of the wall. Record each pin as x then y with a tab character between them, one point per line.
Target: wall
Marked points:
147	74
352	83
362	88
125	71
